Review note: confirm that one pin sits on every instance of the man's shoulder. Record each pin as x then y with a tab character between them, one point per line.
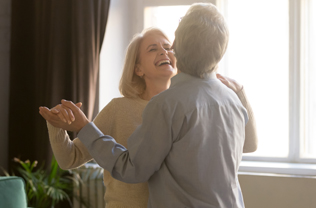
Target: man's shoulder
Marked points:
169	95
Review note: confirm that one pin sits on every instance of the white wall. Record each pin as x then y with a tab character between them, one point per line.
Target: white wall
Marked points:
5	10
278	191
117	36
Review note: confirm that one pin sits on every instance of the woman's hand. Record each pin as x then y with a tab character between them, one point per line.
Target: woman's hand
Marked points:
230	83
65	114
58	116
81	119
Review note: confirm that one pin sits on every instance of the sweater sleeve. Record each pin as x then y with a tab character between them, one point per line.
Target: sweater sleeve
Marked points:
251	139
69	154
72	154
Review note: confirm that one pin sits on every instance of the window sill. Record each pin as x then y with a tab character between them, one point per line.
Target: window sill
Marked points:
255	167
278	168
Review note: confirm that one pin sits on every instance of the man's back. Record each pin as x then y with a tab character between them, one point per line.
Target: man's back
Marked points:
207	130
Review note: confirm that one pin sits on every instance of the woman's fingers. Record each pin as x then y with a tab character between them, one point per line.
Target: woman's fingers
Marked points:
53	119
50	117
43	111
64	114
54	110
230	83
67	112
79	104
81	119
223	79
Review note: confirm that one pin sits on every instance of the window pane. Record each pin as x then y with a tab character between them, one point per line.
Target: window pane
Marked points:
258	57
310	85
165	18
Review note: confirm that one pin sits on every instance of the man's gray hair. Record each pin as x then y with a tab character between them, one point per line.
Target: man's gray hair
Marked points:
200	40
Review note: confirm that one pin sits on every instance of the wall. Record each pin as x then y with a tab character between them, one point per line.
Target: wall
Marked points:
117	37
278	191
5	11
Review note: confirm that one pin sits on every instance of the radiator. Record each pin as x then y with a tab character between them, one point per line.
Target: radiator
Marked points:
91	189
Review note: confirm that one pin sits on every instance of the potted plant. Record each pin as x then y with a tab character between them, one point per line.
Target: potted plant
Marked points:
45	189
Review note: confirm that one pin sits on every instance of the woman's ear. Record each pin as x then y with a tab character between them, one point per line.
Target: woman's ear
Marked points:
138	71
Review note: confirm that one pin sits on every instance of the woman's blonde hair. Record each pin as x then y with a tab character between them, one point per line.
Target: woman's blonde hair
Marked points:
131	85
201	40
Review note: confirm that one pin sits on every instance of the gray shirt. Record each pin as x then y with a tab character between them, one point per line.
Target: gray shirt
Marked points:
188	147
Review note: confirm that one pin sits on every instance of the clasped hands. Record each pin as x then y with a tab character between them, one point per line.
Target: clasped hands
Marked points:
66	115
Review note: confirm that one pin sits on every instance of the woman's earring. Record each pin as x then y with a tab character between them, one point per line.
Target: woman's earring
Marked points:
141	76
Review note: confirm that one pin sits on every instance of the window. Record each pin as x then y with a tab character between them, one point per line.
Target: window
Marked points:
271	53
258	58
308	66
156	17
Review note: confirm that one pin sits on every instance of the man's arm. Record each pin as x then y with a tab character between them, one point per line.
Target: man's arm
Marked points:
147	146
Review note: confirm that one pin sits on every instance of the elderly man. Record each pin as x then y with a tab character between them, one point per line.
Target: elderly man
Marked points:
191	141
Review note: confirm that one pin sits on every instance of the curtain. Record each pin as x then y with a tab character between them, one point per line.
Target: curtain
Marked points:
55	51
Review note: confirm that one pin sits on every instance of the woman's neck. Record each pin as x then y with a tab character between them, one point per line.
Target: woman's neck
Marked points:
154	88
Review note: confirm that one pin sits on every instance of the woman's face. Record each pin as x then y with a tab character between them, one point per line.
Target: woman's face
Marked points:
156	59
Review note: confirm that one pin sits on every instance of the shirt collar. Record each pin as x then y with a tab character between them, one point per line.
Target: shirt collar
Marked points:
181	77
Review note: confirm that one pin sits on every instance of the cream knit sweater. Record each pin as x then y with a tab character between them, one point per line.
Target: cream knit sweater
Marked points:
119	119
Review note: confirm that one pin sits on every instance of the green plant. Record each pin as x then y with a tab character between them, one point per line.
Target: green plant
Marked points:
45	189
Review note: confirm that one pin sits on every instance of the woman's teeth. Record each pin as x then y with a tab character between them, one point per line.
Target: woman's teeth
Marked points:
163	62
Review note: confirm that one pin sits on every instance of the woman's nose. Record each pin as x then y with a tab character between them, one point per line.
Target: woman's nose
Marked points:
163	51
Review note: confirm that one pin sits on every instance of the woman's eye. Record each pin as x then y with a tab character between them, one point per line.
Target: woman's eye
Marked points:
168	49
153	49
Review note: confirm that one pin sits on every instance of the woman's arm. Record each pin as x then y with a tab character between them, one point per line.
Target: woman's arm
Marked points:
69	154
251	139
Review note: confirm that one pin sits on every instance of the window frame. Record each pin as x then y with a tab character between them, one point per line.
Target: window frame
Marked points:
296	81
140	5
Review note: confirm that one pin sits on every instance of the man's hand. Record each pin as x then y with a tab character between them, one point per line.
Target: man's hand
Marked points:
63	117
54	119
65	114
81	119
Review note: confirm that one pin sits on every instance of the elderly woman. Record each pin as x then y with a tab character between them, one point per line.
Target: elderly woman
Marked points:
148	67
190	143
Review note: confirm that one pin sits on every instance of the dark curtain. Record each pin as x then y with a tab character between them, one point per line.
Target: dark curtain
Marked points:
55	51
